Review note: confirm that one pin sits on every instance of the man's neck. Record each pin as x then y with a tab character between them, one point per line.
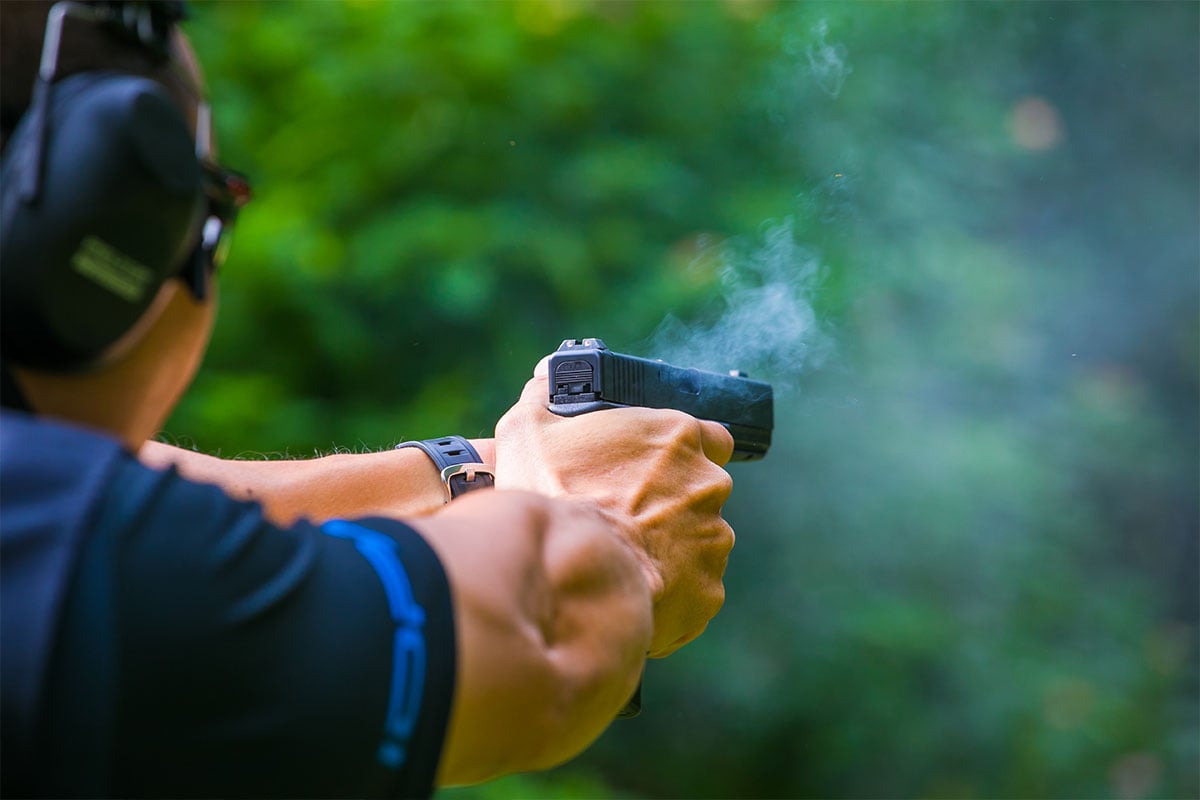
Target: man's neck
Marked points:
81	400
129	396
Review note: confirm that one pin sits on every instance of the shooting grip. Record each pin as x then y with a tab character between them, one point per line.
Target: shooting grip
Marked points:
586	376
633	706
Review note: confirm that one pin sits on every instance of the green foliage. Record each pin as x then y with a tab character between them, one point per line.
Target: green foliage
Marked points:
445	191
968	568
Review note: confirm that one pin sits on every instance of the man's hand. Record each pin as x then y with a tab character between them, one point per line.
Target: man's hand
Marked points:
657	474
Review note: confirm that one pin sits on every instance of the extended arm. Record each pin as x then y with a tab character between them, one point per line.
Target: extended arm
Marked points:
560	595
553	609
390	483
603	543
553	620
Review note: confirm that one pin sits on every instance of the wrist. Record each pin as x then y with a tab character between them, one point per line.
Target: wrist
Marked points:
461	468
486	448
425	492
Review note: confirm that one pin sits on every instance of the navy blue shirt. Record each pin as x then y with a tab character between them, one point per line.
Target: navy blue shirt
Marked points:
162	639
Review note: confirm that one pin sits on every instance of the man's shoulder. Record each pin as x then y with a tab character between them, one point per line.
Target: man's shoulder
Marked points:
26	438
58	468
68	476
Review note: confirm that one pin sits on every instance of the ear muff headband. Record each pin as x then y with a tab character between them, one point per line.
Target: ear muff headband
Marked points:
118	210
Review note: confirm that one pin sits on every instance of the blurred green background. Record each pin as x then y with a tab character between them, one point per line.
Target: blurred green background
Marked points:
960	238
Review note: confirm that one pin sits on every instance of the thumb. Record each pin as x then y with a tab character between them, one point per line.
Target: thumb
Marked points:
537	388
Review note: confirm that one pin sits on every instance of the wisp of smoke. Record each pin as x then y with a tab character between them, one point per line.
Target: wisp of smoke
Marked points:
809	58
764	323
827	62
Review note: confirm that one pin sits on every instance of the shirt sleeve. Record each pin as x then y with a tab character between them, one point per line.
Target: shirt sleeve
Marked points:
245	660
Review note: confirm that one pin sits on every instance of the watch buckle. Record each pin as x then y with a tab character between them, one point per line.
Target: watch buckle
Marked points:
467	475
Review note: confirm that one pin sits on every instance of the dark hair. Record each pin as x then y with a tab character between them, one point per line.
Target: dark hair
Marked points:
85	46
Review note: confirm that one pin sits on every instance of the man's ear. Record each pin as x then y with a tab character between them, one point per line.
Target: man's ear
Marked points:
117	207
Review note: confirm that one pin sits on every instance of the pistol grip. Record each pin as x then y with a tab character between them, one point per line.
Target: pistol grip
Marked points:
634	706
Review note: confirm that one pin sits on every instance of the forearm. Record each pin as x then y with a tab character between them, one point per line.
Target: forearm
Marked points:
553	620
391	483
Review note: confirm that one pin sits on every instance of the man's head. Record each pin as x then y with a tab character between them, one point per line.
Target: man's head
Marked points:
85	47
109	194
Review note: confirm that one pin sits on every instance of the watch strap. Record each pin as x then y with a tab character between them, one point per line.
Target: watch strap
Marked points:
458	462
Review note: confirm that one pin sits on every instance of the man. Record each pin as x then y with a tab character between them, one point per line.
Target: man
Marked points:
287	633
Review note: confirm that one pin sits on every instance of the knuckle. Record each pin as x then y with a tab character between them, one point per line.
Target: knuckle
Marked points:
516	417
684	433
723	484
719	544
693	430
716	486
728	538
716	599
505	425
678	424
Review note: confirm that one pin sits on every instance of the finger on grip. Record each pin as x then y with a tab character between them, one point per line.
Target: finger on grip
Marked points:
716	441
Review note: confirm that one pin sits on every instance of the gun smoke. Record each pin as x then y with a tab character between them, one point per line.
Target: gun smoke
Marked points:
826	62
764	323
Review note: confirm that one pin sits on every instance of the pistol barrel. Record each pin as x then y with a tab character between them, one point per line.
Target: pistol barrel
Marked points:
586	376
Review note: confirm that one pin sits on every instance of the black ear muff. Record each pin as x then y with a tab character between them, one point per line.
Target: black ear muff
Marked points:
119	209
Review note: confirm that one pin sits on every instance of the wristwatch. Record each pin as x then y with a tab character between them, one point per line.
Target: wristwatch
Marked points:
461	468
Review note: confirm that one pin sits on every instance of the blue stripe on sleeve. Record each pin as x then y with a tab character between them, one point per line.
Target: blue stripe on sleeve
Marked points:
408	642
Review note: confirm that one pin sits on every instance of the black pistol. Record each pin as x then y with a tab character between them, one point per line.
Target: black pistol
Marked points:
586	376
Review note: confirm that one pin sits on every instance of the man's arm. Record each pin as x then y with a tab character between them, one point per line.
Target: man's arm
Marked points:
559	596
553	618
390	483
603	543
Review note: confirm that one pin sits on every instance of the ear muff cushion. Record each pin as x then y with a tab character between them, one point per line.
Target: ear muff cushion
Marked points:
120	208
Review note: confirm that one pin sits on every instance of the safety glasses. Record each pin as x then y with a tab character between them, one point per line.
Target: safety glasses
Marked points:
226	190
